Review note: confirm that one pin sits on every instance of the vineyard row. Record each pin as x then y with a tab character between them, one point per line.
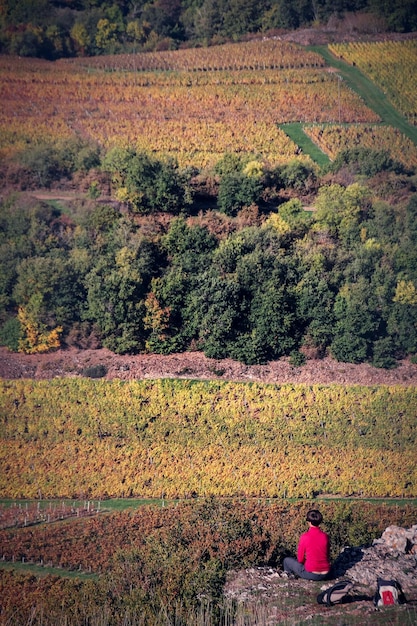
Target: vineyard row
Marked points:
180	439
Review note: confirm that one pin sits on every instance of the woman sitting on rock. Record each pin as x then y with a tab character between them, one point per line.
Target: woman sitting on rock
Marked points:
313	552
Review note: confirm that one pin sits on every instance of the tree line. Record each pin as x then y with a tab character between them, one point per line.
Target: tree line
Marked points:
231	264
56	28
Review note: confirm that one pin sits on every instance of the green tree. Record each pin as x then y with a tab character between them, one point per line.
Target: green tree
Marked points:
116	291
101	224
147	184
188	247
315	309
406	254
172	328
208	20
280	15
342	210
81	37
236	191
294	214
298	175
366	161
273	320
215	308
189	251
11	334
402	320
43	162
55	43
358	323
263	313
106	36
15	245
58	285
240	17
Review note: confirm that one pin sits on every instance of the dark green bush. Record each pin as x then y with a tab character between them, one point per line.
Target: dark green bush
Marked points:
10	334
236	191
94	371
367	162
297	358
384	353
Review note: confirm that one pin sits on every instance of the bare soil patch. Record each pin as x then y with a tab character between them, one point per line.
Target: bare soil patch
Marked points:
195	365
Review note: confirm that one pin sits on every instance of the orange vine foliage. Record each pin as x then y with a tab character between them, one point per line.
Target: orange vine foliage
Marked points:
196	113
252	55
154	561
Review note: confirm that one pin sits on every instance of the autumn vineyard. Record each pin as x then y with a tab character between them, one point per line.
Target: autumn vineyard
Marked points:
222	459
79	438
198	104
209	476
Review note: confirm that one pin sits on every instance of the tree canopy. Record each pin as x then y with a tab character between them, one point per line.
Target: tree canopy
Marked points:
251	280
53	28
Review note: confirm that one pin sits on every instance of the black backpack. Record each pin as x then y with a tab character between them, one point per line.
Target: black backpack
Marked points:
388	592
336	594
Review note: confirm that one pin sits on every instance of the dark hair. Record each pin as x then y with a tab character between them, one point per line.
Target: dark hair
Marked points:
314	517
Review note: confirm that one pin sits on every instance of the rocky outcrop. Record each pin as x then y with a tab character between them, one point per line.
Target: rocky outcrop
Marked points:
264	596
394	555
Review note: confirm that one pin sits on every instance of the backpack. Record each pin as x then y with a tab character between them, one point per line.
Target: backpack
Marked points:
388	592
336	594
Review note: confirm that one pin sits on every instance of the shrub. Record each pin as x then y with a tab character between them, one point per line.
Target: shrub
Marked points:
94	371
367	162
297	358
10	334
236	191
384	354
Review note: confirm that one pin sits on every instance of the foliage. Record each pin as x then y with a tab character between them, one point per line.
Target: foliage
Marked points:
148	184
159	565
182	438
296	175
297	358
116	288
240	109
257	279
236	191
382	148
94	371
10	334
366	161
35	336
49	30
48	162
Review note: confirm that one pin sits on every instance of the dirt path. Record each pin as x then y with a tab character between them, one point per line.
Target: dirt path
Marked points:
72	362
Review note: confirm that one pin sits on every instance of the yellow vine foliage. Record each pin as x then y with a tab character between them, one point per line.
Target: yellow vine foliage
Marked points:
333	138
178	438
391	65
156	318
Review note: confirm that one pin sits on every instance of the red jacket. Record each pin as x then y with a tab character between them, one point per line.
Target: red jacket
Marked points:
314	550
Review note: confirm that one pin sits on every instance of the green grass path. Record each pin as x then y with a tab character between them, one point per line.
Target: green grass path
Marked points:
295	132
371	94
40	570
